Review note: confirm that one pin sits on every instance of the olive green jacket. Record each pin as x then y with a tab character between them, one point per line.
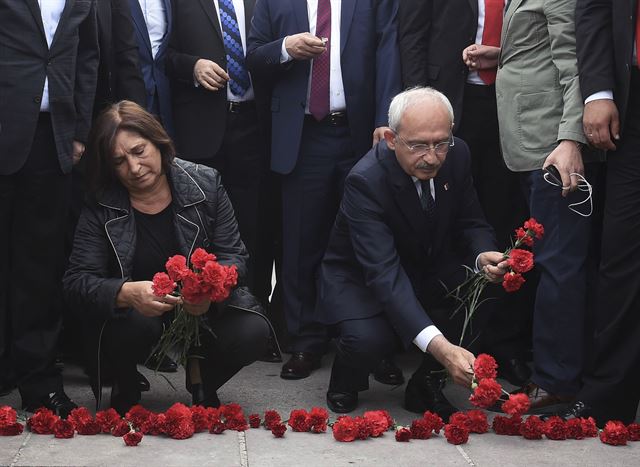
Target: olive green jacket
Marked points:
537	88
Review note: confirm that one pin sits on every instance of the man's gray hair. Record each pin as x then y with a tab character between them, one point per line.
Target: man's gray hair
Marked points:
409	98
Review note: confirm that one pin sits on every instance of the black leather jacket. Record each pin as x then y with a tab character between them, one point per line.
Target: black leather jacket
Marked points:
105	238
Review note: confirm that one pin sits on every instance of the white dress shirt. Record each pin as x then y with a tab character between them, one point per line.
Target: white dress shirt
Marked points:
238	6
50	10
473	77
155	18
336	88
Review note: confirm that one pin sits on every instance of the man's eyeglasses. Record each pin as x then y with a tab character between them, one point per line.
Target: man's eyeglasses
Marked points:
420	149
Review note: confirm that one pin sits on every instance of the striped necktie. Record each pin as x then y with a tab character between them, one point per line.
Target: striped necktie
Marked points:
239	81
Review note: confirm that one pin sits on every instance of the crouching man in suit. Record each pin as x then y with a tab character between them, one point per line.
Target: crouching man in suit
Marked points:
409	219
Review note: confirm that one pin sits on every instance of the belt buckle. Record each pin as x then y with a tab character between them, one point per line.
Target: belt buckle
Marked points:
234	107
336	118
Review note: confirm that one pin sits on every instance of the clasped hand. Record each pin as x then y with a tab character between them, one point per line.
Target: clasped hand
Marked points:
304	46
493	265
139	296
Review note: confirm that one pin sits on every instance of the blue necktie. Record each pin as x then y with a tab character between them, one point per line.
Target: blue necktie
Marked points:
238	75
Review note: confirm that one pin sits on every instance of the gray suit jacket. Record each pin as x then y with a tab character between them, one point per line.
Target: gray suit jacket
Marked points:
537	88
25	60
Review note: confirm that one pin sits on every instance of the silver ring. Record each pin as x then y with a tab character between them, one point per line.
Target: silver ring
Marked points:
590	135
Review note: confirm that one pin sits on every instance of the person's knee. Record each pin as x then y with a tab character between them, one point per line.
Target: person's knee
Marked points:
252	339
363	349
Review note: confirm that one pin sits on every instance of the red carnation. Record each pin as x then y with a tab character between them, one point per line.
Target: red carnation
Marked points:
477	421
79	416
363	428
132	438
378	421
434	421
89	428
178	423
517	404
573	428
194	290
177	267
236	423
271	419
217	428
42	421
532	428
199	258
403	434
614	433
200	418
213	275
589	428
162	284
8	416
345	429
421	429
485	366
509	426
512	281
254	420
456	434
460	419
231	277
107	419
634	431
520	260
554	428
486	393
137	415
523	237
299	420
318	418
279	430
155	424
536	229
63	429
11	429
121	428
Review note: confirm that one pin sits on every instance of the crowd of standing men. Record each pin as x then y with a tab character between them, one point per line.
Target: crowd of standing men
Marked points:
283	98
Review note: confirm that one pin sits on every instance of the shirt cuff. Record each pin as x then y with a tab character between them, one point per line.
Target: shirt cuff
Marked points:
608	94
284	55
425	337
476	266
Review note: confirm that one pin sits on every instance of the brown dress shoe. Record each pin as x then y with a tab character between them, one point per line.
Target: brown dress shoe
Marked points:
300	365
541	400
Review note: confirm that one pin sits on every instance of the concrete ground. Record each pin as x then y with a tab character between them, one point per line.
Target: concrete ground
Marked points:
259	388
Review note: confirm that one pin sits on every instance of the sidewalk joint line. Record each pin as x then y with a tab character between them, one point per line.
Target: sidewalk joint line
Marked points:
465	455
242	446
24	443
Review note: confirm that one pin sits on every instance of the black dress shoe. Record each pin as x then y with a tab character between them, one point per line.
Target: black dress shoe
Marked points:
578	409
342	402
143	383
200	397
272	354
58	402
514	370
300	365
162	364
388	372
424	392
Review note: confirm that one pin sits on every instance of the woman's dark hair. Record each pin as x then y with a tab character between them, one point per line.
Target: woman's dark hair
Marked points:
124	115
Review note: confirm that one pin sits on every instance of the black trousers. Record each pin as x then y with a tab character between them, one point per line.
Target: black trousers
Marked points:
240	338
612	379
310	198
242	161
504	206
33	210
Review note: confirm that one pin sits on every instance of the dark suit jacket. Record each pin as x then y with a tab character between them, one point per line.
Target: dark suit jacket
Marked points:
432	36
119	75
605	32
25	60
381	257
370	70
154	71
200	115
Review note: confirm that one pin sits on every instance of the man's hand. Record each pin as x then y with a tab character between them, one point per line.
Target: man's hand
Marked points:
197	309
210	75
601	123
457	361
480	57
567	159
378	134
493	264
77	151
304	46
139	295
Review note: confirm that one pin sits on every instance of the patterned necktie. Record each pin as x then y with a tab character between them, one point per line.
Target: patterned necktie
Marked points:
428	203
238	75
319	95
493	13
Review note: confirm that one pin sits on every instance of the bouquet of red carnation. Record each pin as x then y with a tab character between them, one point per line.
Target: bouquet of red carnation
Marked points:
519	260
205	280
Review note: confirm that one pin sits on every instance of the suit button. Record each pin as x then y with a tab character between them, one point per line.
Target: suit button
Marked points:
37	99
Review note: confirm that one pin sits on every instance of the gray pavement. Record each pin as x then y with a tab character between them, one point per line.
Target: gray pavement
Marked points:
259	388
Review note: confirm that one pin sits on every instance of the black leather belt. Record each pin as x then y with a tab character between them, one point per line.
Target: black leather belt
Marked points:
479	90
240	107
333	119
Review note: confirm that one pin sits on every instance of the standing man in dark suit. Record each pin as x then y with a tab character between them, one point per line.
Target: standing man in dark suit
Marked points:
409	219
433	35
45	116
153	25
333	67
607	37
